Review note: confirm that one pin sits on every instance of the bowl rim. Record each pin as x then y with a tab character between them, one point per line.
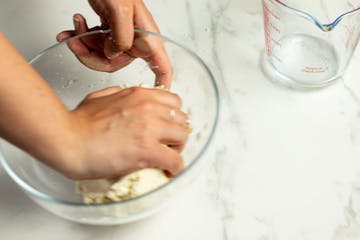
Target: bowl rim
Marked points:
43	196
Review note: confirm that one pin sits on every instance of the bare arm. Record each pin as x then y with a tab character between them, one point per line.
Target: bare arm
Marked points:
94	140
31	115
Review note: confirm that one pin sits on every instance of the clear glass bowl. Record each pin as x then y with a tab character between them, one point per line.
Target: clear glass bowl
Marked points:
72	81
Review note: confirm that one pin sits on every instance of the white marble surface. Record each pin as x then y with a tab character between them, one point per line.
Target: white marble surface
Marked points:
286	163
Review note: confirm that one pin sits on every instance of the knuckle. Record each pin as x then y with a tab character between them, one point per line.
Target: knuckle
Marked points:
125	9
135	90
128	91
145	106
124	45
176	163
144	127
182	132
147	127
144	144
177	99
132	92
183	116
142	163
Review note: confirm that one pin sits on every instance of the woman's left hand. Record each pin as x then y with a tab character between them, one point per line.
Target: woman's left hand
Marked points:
121	46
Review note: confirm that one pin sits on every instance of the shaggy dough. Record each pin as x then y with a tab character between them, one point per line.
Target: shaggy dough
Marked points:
129	186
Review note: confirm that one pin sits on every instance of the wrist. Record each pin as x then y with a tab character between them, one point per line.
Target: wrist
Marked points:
68	148
59	145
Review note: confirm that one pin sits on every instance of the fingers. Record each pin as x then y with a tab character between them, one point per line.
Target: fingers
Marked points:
160	64
151	49
171	133
92	42
169	99
76	45
158	115
80	47
166	158
169	126
143	95
167	113
104	92
65	35
120	20
158	59
80	24
90	49
107	53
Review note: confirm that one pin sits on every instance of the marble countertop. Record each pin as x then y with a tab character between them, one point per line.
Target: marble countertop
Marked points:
286	163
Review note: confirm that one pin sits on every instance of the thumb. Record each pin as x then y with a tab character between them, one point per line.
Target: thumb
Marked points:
121	37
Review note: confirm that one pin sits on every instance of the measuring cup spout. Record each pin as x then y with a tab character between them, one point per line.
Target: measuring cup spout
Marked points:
324	27
329	27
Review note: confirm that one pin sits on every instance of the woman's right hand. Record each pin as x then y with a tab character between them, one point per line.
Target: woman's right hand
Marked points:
122	130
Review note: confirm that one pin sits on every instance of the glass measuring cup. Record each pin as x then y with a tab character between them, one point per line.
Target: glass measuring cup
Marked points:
307	51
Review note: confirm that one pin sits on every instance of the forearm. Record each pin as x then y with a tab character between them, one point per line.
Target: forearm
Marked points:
31	115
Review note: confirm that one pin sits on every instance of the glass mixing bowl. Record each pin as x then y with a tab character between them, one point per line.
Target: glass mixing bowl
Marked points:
72	81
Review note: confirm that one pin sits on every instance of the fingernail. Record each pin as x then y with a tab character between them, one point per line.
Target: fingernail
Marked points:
168	174
76	23
113	55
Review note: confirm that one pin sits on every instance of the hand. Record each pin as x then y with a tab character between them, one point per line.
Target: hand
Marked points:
121	46
120	131
111	132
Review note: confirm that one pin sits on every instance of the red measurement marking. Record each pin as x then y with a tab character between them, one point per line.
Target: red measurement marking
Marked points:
266	27
275	27
276	42
269	25
267	9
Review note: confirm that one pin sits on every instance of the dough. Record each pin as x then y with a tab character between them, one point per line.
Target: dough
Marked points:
129	186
